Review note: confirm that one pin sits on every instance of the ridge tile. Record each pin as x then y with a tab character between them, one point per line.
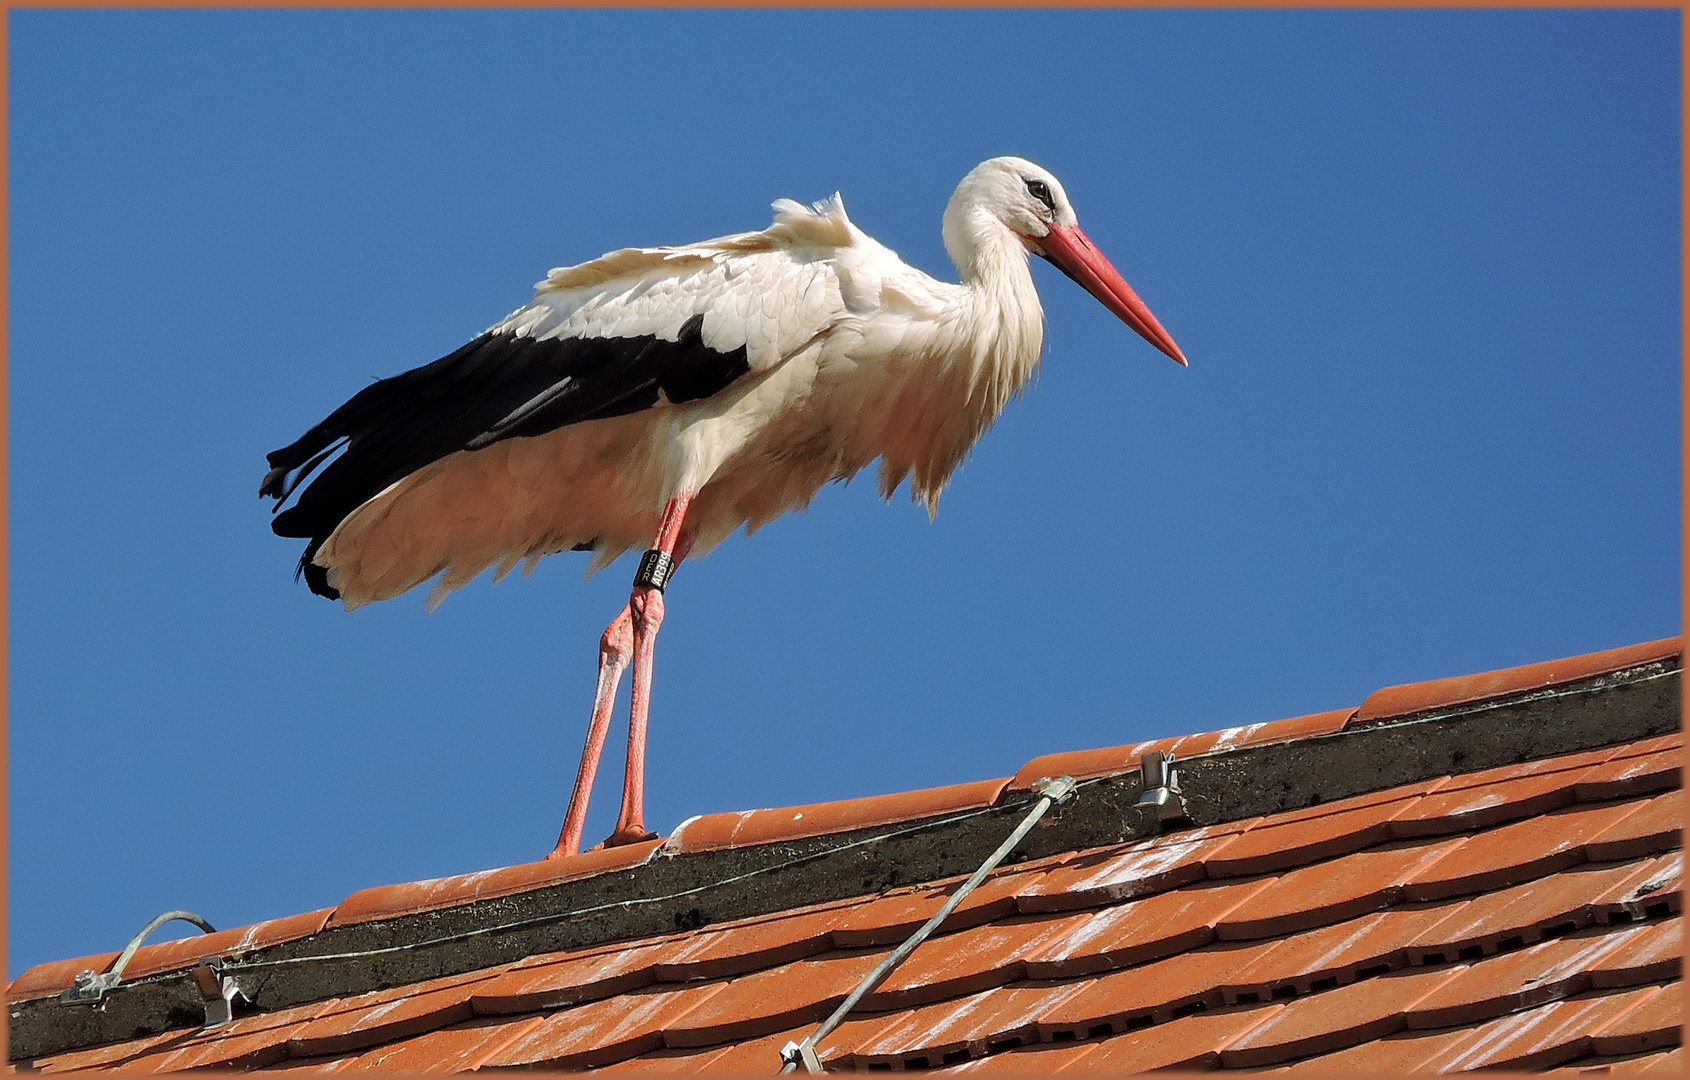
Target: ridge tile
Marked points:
745	828
392	901
187	952
1410	698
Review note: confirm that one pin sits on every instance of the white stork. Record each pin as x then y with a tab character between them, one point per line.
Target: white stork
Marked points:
680	393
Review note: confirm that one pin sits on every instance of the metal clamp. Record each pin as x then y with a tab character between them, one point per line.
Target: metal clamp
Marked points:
796	1055
1160	784
90	989
219	992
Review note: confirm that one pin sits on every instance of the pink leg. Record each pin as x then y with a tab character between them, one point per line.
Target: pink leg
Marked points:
646	606
615	649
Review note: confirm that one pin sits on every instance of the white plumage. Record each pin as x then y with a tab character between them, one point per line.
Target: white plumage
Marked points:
853	354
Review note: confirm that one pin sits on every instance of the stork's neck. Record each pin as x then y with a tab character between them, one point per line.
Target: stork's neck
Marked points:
1004	307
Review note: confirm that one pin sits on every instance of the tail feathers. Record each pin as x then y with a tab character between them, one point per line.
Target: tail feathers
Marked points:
316	577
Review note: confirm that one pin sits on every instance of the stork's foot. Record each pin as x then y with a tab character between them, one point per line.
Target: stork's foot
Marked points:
624	837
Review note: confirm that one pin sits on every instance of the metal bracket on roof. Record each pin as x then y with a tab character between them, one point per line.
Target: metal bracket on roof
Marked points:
1160	784
800	1054
91	989
219	991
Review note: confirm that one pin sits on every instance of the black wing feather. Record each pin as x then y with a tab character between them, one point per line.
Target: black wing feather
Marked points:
497	387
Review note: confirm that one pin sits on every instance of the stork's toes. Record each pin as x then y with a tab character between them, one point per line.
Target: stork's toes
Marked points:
622	837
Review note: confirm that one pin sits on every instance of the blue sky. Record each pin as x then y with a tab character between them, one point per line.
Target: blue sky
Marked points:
1425	265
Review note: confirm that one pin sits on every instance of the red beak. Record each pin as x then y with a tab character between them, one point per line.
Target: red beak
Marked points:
1073	253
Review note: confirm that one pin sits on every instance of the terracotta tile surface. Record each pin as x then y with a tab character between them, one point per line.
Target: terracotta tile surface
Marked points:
1141	930
749	945
1653	827
1033	1060
1509	982
459	1048
1522	913
1335	890
1133	870
1654	952
758	1057
1513	853
889	919
1404	1052
964	1027
1191	1042
1627	776
367	1020
314	1066
602	1032
1538	1038
781	997
112	1055
971	960
1653	1023
1655	889
1319	1023
570	980
1272	847
1336	954
247	1042
1443	693
713	832
1524	916
1157	993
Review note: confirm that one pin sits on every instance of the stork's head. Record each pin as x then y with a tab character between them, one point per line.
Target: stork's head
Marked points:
1032	204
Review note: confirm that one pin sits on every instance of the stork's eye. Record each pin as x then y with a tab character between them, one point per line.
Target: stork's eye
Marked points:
1039	190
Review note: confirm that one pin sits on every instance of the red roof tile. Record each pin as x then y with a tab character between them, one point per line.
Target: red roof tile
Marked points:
1191	1042
1318	1023
1539	1038
1522	916
388	901
1443	693
712	832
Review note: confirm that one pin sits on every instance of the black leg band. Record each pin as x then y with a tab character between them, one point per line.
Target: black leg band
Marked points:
655	568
